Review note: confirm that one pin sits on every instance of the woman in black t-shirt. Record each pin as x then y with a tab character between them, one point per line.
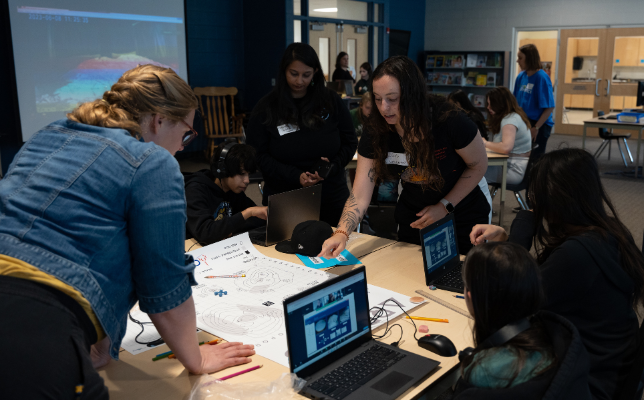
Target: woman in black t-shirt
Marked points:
298	124
426	142
342	72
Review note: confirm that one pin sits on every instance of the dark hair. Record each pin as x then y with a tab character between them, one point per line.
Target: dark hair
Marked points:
532	59
460	98
239	159
317	104
569	198
337	59
504	282
367	67
503	102
418	113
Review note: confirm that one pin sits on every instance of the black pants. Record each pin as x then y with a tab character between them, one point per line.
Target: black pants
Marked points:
541	140
45	343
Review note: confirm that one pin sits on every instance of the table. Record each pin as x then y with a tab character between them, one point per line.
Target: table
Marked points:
392	265
613	124
499	160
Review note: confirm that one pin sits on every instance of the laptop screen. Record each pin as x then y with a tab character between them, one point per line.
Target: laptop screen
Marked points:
327	320
439	245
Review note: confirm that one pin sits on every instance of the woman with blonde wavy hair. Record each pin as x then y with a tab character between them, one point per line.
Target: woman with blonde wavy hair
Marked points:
92	221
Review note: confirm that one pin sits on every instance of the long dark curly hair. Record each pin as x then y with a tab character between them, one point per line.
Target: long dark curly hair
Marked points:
569	200
316	104
418	113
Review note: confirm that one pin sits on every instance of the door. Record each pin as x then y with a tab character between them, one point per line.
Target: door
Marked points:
329	39
624	66
581	78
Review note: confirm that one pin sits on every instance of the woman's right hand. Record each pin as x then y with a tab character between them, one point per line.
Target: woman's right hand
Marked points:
333	246
308	179
491	233
220	356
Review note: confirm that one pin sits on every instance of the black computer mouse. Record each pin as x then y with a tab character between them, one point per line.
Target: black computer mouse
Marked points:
438	344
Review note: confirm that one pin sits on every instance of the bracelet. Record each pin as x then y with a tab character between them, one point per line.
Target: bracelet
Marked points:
342	232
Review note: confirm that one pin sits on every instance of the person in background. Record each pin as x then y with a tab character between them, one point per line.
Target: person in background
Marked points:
592	270
510	130
361	113
460	98
299	124
544	359
342	72
426	142
533	91
92	221
363	86
217	205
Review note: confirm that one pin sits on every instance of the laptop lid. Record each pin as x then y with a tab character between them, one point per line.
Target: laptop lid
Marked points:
327	322
286	210
439	247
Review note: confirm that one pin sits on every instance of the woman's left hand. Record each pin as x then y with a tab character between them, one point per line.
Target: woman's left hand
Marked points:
429	215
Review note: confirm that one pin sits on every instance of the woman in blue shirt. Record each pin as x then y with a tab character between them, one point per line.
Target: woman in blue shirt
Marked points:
533	91
92	220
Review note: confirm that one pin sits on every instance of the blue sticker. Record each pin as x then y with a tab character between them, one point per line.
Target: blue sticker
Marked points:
345	258
220	293
616	61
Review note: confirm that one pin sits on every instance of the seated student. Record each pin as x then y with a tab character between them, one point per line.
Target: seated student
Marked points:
510	131
360	113
217	205
593	273
363	86
540	354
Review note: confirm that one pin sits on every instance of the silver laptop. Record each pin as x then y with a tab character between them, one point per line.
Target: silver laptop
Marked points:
285	211
330	345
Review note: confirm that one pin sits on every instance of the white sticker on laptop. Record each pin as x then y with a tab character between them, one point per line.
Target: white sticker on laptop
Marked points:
287	128
397	159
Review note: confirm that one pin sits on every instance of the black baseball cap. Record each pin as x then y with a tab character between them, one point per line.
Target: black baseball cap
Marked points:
307	238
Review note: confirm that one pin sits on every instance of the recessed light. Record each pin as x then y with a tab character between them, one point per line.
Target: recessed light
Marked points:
329	10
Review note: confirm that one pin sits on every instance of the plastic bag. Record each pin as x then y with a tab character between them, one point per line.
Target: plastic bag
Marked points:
210	388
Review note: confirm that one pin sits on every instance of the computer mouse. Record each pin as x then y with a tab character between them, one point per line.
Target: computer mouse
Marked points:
438	344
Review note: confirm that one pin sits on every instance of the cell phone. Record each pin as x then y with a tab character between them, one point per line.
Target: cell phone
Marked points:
323	168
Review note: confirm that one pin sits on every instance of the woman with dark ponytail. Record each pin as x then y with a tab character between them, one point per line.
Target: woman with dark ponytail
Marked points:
593	272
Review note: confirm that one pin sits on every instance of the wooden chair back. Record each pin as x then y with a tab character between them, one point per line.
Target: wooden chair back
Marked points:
217	106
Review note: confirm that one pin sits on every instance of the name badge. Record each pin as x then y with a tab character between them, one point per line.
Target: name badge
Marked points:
287	128
397	159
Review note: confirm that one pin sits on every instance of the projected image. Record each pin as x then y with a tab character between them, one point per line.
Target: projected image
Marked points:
68	52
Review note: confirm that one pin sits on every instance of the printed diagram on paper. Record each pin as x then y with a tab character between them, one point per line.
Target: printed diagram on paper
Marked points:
250	309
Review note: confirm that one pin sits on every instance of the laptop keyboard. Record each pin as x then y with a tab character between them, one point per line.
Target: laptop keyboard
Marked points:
452	278
354	373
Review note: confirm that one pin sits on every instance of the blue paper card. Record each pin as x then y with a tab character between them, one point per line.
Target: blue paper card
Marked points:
345	258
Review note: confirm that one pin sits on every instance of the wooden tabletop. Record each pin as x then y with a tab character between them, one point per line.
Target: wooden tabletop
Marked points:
597	120
391	265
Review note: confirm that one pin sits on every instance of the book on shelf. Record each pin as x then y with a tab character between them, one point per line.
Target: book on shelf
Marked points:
448	61
442	80
457	78
457	62
497	60
471	60
429	63
430	76
491	79
481	79
439	61
481	61
479	100
471	78
435	78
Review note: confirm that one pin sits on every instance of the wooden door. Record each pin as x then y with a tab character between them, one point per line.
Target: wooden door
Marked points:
325	44
579	90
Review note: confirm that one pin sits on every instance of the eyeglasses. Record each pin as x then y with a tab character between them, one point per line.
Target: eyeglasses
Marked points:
188	136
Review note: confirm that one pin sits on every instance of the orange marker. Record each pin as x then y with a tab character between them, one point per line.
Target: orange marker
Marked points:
429	319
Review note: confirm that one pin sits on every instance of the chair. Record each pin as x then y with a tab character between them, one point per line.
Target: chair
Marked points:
608	137
219	121
518	187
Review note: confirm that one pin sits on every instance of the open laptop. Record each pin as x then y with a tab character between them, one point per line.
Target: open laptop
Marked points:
285	211
330	345
341	87
440	255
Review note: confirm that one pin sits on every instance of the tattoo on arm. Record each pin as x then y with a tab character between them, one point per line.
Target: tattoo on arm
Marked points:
372	174
351	215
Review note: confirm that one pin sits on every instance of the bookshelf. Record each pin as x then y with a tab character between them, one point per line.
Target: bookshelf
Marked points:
445	71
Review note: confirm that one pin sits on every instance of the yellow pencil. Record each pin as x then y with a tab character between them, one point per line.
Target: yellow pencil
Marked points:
430	319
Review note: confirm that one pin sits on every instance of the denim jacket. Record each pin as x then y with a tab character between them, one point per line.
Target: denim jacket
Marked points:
102	212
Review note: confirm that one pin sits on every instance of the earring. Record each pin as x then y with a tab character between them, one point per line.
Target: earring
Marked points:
312	83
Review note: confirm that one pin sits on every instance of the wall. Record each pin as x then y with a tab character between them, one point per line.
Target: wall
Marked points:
409	15
487	25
